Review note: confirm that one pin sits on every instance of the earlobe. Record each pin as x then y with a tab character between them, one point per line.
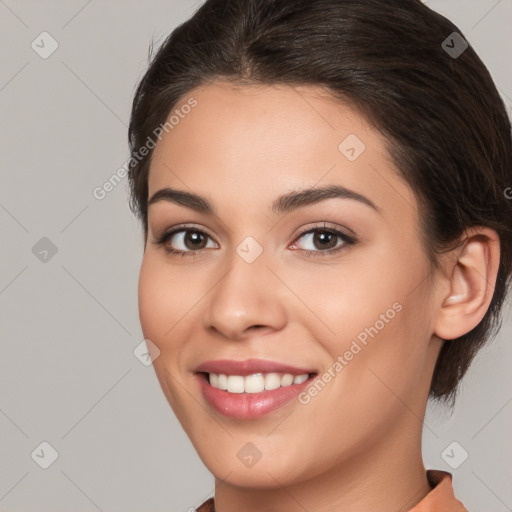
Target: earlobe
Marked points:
471	280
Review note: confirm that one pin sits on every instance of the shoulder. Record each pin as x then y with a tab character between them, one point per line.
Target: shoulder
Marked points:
441	497
207	506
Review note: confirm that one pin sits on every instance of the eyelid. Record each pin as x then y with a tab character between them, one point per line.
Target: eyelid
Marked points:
183	227
319	225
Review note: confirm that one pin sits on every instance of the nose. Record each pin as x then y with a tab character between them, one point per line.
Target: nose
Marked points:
248	297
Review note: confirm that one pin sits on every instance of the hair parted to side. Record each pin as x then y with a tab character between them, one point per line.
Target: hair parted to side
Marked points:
448	130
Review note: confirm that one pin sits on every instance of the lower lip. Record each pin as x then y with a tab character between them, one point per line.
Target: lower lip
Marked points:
247	406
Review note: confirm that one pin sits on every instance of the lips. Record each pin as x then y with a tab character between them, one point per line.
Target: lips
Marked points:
249	367
250	405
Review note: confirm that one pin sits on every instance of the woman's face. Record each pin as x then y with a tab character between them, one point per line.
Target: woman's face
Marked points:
334	284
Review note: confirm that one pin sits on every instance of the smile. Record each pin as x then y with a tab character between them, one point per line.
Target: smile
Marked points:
242	397
255	383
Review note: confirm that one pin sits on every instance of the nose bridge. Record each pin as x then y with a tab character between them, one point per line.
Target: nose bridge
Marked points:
246	295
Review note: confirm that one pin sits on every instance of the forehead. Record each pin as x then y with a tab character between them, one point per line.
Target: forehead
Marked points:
261	123
250	143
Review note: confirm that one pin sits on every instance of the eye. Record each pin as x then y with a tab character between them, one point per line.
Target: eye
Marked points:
329	240
187	241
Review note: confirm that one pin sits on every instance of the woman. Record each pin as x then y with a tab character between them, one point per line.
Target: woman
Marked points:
327	244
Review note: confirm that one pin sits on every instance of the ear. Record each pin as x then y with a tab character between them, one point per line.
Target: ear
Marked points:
470	278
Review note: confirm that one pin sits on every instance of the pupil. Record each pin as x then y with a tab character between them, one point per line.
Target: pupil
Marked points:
324	237
196	239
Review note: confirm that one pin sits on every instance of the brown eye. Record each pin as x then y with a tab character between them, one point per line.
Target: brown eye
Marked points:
194	240
184	241
323	241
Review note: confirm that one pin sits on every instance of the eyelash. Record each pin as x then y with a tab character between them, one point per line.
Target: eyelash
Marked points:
166	235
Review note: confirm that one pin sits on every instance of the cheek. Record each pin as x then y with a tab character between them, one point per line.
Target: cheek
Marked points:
372	317
165	296
152	298
163	302
381	297
350	300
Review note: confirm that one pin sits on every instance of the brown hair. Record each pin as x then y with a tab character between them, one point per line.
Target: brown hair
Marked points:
448	130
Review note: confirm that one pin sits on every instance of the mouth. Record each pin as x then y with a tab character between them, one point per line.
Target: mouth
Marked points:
253	395
254	383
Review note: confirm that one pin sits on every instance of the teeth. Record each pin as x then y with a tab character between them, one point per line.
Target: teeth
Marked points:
299	379
286	380
222	382
272	381
255	383
214	380
235	384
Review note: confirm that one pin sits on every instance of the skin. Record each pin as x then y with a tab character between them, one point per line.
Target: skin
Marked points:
357	444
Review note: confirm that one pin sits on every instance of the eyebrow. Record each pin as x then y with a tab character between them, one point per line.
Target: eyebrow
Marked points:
283	204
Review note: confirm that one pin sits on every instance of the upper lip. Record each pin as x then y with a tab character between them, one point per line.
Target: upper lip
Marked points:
249	367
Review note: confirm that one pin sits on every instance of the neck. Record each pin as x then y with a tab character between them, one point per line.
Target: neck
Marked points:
387	476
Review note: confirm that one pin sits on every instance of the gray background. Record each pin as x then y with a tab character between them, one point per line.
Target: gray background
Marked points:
70	323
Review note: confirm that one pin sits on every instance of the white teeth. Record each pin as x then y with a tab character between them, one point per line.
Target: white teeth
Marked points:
255	383
272	381
299	379
222	382
235	384
214	380
286	380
